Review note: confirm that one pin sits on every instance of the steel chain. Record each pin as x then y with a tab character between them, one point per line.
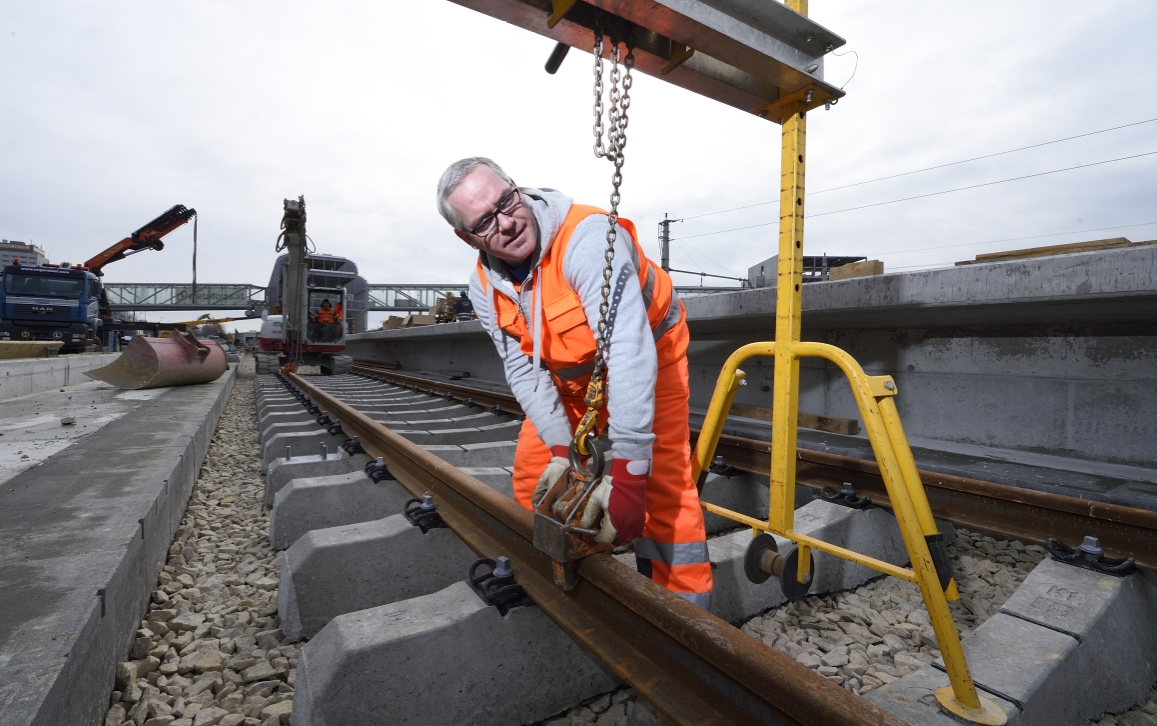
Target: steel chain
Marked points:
619	101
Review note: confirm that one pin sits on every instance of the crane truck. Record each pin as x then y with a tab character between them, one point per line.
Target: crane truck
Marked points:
67	302
308	322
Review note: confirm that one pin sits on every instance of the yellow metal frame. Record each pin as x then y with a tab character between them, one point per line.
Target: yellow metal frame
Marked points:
874	397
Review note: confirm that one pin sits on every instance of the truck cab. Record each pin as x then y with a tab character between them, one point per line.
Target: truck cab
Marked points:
49	302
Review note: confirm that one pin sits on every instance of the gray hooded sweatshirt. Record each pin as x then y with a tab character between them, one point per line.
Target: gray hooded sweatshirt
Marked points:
632	365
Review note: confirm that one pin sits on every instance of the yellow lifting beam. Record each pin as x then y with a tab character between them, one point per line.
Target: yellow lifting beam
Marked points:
874	396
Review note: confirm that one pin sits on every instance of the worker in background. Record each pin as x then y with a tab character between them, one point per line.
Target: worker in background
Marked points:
324	314
463	308
537	288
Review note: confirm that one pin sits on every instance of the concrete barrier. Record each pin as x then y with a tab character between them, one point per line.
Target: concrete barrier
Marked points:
25	376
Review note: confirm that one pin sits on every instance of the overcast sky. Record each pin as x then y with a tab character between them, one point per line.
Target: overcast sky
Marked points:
115	111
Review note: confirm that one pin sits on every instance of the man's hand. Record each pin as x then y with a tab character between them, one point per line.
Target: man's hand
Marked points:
621	500
559	461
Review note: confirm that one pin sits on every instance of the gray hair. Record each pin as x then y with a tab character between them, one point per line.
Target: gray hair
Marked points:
454	175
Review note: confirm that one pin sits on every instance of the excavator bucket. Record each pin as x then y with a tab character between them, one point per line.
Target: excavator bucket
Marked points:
179	360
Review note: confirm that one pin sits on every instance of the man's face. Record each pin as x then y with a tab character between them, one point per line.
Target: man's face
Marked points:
515	235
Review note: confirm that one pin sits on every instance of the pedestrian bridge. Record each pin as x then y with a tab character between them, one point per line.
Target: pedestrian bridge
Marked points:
132	296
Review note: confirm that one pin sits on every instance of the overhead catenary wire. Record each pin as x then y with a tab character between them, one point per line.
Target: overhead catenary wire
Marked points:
929	194
930	168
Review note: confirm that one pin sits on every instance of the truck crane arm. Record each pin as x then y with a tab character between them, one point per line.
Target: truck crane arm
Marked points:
147	237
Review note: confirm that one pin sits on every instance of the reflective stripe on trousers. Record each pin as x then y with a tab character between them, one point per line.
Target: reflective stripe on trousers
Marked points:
674	519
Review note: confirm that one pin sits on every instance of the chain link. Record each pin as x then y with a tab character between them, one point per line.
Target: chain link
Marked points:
615	132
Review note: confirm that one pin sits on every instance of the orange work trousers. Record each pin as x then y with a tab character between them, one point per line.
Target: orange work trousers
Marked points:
673	547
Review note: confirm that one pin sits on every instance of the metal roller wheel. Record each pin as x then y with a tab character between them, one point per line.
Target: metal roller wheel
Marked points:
792	588
755	551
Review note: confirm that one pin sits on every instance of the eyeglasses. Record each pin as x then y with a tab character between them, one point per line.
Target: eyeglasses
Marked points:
489	223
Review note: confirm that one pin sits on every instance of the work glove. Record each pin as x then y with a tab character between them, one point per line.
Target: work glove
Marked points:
620	499
559	461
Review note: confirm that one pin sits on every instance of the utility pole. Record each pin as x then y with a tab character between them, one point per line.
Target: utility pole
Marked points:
665	242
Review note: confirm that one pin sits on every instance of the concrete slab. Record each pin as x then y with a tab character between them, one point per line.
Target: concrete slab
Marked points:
290	416
82	539
330	572
484	418
281	472
331	501
911	699
516	669
298	427
495	453
1069	645
32	429
25	376
744	493
463	436
298	444
1116	619
496	477
872	532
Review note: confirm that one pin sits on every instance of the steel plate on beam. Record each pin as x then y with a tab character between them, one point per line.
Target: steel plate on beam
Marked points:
749	54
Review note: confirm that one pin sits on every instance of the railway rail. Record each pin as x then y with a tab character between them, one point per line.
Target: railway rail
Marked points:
694	667
1009	511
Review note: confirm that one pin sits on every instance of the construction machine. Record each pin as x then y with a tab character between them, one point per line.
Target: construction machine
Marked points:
310	328
147	237
68	303
205	320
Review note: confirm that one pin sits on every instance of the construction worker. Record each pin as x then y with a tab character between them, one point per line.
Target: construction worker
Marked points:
324	313
463	308
537	288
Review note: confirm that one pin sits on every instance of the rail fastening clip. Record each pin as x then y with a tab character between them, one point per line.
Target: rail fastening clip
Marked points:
497	587
422	513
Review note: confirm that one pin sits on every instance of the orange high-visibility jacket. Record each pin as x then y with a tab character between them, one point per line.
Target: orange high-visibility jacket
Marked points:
568	342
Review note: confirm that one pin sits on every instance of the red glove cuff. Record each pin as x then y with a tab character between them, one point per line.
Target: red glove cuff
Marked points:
628	503
559	450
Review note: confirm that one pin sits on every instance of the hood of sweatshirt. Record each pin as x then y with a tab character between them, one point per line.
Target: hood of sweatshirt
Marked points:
550	208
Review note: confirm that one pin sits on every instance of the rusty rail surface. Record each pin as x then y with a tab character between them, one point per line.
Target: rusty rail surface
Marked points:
694	667
1009	511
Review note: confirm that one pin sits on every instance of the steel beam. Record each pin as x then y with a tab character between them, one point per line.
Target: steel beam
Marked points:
748	54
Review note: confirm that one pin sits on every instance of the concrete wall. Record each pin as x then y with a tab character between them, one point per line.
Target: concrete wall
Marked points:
22	376
1055	355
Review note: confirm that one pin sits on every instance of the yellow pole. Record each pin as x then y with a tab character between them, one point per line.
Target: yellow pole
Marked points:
788	301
